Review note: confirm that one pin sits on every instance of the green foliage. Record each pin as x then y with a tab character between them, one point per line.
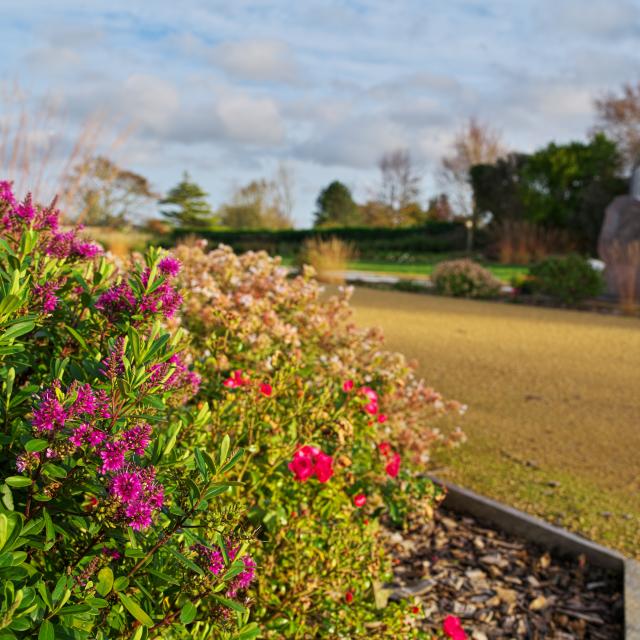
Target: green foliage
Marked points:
560	186
83	350
569	279
316	546
335	207
189	207
465	279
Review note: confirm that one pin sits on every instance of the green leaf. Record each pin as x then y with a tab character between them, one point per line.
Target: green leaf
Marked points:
7	497
17	330
224	448
185	561
37	444
231	604
75	608
54	471
18	481
59	589
248	632
135	610
188	613
105	581
46	631
48	525
201	464
120	583
233	461
99	603
4	529
79	339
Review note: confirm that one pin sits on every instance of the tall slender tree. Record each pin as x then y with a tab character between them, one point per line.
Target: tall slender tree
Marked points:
188	206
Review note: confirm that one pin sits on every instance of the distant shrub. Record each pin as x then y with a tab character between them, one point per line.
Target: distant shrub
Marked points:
465	279
330	258
569	279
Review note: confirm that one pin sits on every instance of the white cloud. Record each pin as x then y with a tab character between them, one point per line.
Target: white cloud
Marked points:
267	60
250	119
601	18
357	142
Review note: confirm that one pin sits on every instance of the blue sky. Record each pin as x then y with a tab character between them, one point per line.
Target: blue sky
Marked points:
227	90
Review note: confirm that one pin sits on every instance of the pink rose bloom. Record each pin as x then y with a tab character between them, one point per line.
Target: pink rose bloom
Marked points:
266	389
382	418
371	408
393	466
347	386
360	500
309	461
324	467
453	629
369	393
301	466
384	448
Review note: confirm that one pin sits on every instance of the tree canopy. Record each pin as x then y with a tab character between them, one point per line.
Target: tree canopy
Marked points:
258	205
188	205
104	194
559	186
335	207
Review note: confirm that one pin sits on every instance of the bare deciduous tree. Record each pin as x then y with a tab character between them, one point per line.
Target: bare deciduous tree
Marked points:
475	143
400	182
619	119
108	195
283	187
257	205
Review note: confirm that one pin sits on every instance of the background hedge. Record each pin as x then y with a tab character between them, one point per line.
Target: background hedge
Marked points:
434	237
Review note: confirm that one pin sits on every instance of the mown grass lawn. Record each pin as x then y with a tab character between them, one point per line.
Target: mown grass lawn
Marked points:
554	403
423	268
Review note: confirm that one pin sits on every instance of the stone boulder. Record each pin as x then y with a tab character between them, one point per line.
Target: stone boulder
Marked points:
619	247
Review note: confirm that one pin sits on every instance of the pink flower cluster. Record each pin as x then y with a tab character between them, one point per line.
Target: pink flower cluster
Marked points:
214	561
371	405
135	488
174	374
236	380
133	440
392	458
452	628
239	379
163	297
18	216
46	293
309	461
52	415
139	495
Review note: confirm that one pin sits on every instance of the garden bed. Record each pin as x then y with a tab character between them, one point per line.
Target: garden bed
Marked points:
502	586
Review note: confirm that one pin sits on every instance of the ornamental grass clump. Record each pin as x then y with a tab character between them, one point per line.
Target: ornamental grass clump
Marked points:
465	279
336	432
111	520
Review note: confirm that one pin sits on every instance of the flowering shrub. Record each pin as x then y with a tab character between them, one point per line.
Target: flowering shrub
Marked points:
112	521
464	278
334	428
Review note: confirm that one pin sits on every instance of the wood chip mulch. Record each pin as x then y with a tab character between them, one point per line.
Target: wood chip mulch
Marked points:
502	587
